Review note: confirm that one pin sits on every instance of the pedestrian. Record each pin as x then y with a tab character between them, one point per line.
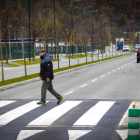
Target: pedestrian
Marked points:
46	74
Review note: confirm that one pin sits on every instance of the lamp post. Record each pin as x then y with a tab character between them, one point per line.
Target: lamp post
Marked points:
72	22
100	34
29	32
92	29
84	31
54	30
104	21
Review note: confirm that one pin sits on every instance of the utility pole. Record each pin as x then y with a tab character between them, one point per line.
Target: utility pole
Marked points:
92	35
29	33
54	30
84	31
72	23
72	26
92	31
100	35
84	34
1	46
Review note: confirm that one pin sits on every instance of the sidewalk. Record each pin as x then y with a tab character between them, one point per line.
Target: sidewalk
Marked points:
14	72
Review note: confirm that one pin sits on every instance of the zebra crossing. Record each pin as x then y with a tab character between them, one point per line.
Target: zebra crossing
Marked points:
71	120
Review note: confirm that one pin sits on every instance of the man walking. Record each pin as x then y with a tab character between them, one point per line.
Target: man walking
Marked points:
46	74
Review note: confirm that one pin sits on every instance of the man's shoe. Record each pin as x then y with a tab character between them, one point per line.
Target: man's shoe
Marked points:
41	103
59	100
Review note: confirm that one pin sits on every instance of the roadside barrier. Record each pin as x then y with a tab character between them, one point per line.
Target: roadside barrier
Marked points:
133	123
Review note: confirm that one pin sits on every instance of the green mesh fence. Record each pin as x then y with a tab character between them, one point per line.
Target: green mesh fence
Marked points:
17	50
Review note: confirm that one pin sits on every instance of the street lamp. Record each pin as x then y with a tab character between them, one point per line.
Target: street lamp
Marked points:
100	34
104	39
84	31
54	30
29	31
72	22
92	28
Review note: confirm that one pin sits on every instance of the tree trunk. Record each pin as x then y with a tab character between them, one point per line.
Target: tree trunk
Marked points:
46	46
69	51
1	53
33	50
6	48
51	47
24	54
58	53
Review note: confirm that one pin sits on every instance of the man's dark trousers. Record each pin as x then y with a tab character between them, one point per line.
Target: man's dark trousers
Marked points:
48	86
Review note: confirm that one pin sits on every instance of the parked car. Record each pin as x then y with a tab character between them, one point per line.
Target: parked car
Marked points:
125	48
138	55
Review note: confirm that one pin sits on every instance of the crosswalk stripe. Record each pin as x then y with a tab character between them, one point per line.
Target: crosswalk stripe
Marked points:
94	114
5	102
27	133
49	117
15	113
76	134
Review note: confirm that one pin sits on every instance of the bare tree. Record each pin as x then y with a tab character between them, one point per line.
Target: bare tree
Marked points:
4	6
20	19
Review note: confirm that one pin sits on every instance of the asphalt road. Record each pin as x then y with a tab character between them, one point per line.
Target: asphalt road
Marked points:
13	72
95	101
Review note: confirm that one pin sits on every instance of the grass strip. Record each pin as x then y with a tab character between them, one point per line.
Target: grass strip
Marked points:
10	64
23	78
22	62
76	56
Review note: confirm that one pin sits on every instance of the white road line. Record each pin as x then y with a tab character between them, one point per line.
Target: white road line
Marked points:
94	114
5	102
51	116
108	72
83	85
13	114
76	134
102	76
122	66
24	134
69	92
118	68
94	80
114	70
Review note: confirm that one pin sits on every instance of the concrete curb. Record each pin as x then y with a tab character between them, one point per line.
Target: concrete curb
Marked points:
55	74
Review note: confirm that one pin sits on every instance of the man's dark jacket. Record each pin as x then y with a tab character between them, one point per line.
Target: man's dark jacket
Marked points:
46	67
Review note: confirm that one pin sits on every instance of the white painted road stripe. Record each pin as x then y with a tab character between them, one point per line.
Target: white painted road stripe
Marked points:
122	66
118	68
5	102
114	70
109	73
69	92
83	85
51	116
94	80
76	134
24	134
13	114
94	114
102	76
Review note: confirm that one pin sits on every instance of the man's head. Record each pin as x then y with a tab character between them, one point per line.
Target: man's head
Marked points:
42	52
